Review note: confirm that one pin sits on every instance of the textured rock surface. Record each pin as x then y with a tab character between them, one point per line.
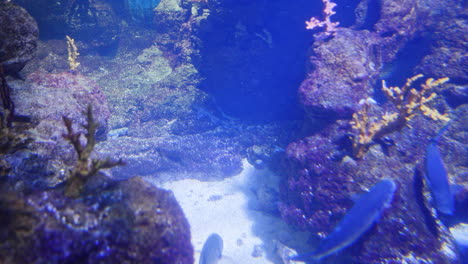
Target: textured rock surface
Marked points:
345	71
49	96
214	154
46	98
18	37
129	221
161	124
323	177
348	65
323	182
448	50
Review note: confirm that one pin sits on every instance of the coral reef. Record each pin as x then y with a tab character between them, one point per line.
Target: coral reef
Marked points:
50	216
57	210
322	175
323	179
162	124
348	66
407	101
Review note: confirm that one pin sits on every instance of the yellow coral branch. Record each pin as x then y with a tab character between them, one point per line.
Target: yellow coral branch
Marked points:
407	101
72	54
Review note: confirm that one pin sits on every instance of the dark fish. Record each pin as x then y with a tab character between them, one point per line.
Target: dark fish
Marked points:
357	220
212	250
436	176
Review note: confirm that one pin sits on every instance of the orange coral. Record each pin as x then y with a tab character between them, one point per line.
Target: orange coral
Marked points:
407	101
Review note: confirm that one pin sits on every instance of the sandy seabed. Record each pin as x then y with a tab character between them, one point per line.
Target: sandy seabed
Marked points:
224	207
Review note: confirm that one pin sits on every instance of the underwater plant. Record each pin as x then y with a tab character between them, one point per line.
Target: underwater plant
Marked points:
408	103
86	167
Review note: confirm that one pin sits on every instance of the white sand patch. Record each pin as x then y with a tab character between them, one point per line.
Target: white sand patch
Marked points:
222	207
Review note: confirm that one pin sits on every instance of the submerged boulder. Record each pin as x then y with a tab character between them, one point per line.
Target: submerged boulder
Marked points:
113	222
18	37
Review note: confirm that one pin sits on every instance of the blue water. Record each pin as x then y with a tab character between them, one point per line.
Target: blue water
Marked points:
202	91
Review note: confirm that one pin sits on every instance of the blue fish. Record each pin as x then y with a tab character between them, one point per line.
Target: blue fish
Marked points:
212	250
436	176
357	220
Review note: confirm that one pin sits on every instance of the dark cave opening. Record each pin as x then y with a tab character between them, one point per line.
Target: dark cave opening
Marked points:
253	57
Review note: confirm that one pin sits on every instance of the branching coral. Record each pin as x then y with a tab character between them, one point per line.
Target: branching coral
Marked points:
72	54
85	167
330	27
407	101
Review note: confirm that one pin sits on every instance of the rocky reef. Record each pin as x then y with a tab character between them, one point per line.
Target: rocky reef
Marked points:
347	66
58	204
120	221
148	110
174	92
106	220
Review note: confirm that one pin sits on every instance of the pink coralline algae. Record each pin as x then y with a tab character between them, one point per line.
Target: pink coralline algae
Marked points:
330	27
